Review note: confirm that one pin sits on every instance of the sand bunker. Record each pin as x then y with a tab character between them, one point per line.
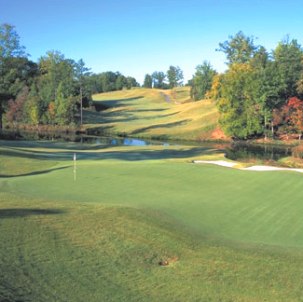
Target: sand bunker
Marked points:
270	168
228	164
222	163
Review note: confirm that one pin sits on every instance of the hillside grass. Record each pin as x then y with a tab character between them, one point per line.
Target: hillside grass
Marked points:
153	113
98	231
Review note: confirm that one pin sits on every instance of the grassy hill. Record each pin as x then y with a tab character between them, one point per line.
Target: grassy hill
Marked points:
99	231
153	113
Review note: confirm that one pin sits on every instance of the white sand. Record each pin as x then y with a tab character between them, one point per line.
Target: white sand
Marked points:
270	168
224	163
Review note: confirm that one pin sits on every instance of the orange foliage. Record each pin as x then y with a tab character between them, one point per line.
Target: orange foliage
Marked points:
52	110
295	114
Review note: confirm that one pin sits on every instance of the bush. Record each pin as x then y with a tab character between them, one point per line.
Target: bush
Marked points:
297	151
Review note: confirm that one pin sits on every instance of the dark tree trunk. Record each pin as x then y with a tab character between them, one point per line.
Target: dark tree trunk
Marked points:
0	120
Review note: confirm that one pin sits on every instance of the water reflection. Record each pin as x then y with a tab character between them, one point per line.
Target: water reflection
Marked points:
247	152
119	141
72	137
82	139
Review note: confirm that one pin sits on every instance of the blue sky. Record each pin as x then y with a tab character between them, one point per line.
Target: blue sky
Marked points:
137	37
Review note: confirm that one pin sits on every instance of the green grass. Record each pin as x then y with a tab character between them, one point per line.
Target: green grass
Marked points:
153	113
100	233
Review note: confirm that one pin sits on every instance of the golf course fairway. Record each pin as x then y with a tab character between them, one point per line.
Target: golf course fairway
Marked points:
144	223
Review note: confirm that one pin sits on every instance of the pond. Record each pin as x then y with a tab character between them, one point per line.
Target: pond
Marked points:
234	151
72	137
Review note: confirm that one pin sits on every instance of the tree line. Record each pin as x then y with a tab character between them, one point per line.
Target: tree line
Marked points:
52	91
158	79
260	93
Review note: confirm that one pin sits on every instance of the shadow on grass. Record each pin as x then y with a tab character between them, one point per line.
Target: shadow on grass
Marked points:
138	155
127	155
33	173
114	152
41	155
148	110
17	213
115	103
168	125
28	149
106	117
32	144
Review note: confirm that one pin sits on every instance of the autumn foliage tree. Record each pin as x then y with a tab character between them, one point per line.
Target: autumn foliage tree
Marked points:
260	93
15	112
295	115
16	71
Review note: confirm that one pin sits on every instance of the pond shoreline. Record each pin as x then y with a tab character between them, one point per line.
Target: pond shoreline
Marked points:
269	152
65	131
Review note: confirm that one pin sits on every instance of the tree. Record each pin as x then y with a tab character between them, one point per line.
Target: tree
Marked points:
267	83
215	91
260	58
241	116
202	81
239	48
174	76
55	69
51	112
93	83
159	79
300	86
108	81
15	112
288	58
277	79
33	110
15	69
131	82
295	114
148	81
10	42
65	107
120	82
81	71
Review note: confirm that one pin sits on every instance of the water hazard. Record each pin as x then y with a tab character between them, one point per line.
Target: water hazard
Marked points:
233	151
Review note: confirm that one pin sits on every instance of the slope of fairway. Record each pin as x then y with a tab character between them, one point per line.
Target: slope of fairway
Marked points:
97	230
153	113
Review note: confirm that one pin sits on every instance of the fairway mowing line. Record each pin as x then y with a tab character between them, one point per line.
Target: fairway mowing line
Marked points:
224	163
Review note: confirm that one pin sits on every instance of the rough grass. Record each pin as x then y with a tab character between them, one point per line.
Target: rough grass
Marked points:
152	113
100	233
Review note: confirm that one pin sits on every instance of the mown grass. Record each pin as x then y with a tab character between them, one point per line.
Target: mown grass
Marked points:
152	113
100	253
98	232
